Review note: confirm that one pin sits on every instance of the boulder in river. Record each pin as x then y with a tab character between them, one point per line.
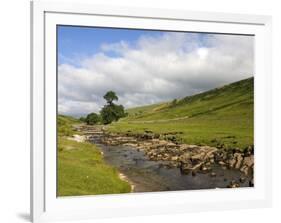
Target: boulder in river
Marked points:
174	158
248	165
233	184
239	160
190	158
221	163
198	157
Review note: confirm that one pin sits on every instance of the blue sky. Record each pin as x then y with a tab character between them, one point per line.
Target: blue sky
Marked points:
82	42
77	42
144	67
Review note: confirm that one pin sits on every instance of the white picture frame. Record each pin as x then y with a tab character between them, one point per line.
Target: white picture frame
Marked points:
44	203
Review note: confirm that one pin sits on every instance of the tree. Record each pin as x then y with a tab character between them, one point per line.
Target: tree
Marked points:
110	96
119	111
82	119
107	114
92	119
111	112
174	102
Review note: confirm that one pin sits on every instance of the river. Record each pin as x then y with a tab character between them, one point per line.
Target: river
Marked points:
151	176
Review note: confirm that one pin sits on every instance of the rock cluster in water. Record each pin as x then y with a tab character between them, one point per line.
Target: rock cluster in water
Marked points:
189	158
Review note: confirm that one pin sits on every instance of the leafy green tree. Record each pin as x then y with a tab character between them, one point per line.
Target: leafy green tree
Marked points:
110	96
119	111
92	119
82	119
111	112
174	102
107	114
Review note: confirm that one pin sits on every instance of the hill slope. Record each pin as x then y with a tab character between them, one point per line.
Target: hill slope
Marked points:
65	124
220	116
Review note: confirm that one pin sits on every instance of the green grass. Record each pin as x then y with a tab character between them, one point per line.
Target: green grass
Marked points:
65	125
82	171
138	111
81	168
220	116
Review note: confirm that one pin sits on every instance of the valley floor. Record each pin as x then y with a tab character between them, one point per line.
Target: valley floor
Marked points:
210	130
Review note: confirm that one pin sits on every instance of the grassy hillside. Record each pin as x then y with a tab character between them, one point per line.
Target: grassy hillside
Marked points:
81	168
222	115
65	125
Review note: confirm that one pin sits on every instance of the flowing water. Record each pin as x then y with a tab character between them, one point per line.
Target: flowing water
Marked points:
148	176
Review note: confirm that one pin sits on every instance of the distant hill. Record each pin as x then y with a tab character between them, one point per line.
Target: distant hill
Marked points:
221	115
238	95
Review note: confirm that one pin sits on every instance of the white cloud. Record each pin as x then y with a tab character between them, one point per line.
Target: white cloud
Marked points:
154	69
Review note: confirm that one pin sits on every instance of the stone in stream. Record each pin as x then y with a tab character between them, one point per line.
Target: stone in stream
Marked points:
183	147
239	160
248	165
185	158
171	145
187	168
249	161
129	144
174	158
222	163
198	157
191	147
204	169
233	184
231	163
245	170
189	158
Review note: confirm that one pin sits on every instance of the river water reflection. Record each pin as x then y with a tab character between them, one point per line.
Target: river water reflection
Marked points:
151	176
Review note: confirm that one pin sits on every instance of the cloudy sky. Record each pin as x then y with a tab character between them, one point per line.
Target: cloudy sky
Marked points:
144	67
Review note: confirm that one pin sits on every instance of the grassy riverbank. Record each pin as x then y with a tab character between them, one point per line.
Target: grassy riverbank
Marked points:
65	125
220	116
81	168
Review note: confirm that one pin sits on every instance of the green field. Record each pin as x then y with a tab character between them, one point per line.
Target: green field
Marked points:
221	116
81	168
65	125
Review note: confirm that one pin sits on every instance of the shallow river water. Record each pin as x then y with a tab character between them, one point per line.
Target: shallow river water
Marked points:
147	175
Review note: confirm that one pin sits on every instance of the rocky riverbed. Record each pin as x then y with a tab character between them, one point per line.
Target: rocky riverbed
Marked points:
191	160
